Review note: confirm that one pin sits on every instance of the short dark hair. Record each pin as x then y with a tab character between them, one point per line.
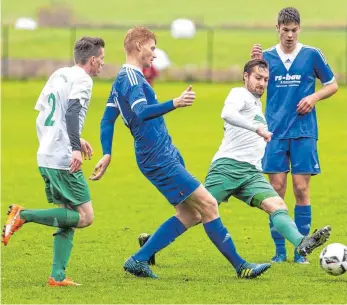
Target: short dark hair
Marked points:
87	47
288	15
261	63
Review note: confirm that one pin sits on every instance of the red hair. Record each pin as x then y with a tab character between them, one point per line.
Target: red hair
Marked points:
137	34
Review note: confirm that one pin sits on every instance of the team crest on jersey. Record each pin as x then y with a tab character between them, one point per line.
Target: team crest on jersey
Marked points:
288	80
259	119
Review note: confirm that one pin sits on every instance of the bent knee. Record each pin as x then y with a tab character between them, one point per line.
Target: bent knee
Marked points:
280	205
86	220
195	217
301	188
189	218
89	219
209	206
273	204
279	186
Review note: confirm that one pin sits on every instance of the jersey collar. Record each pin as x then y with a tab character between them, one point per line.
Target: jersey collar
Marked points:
80	68
288	58
132	67
257	99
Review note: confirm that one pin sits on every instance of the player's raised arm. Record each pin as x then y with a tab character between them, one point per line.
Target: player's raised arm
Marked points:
255	77
185	99
231	112
147	112
257	52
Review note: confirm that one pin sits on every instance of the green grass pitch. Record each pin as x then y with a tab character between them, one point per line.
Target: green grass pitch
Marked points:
125	204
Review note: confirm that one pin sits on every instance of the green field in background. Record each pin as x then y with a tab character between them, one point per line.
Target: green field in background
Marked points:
125	204
230	48
218	12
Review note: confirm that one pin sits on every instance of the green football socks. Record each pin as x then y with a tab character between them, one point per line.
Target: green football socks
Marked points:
58	217
62	247
286	227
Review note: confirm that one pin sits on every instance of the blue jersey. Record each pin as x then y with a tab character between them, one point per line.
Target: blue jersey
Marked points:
158	159
131	97
293	77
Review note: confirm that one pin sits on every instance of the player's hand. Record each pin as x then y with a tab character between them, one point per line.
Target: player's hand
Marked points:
257	52
86	149
306	104
100	168
186	99
261	131
76	161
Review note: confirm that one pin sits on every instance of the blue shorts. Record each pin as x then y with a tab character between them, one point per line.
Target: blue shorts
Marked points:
171	178
299	156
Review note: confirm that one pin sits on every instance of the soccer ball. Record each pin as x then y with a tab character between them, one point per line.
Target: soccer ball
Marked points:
333	259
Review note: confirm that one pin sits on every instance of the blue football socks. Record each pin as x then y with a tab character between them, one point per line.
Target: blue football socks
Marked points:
220	236
278	239
161	238
303	218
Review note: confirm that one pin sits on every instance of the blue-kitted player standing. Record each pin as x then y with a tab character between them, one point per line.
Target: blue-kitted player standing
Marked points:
291	117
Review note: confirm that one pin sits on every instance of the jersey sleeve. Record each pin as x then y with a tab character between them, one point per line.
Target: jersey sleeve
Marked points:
133	86
111	101
267	54
135	96
108	121
81	90
231	110
322	68
235	98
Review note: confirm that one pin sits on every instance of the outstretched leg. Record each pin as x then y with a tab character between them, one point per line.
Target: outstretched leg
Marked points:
284	224
207	205
185	217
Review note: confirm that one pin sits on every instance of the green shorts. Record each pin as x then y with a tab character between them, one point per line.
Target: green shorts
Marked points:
227	177
65	188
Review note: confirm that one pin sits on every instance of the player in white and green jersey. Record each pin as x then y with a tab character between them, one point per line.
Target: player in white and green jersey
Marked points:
66	94
238	160
236	167
62	106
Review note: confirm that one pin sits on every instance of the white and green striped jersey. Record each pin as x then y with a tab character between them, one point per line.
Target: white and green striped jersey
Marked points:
242	144
55	150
